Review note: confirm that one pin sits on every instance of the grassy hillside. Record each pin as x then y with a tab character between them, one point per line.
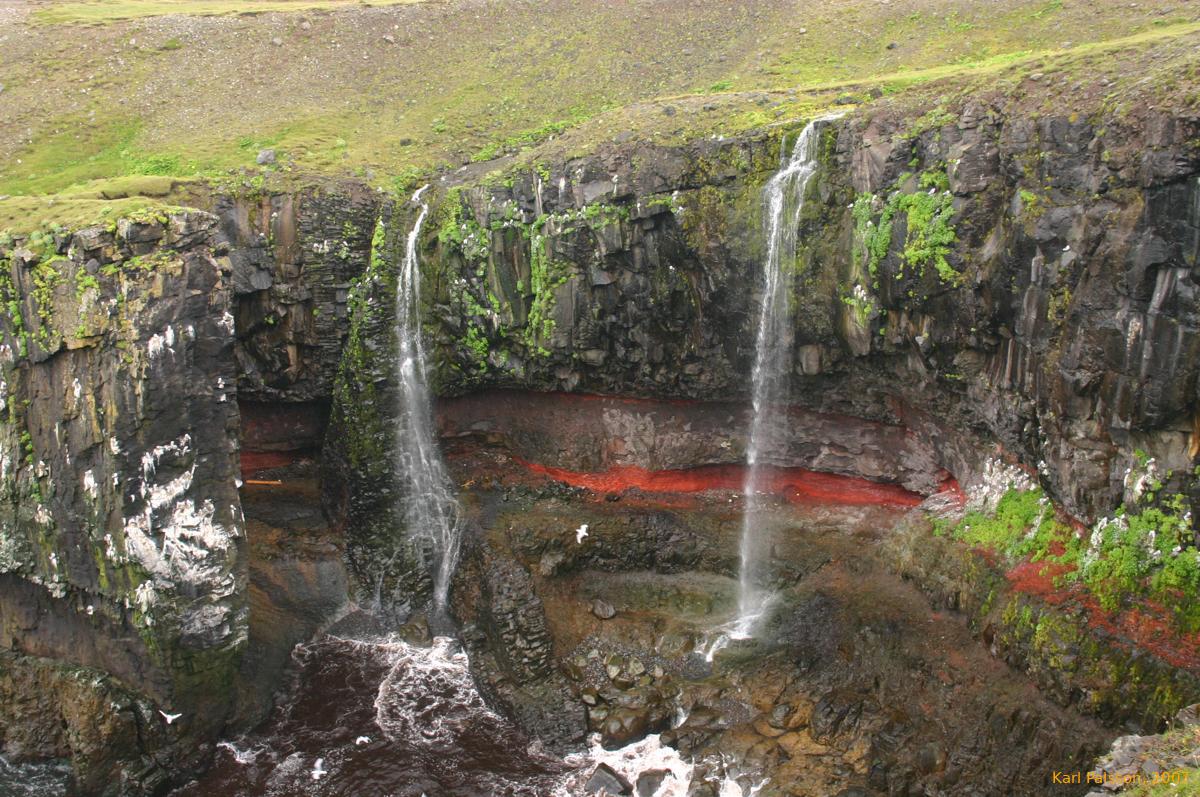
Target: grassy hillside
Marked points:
104	11
95	90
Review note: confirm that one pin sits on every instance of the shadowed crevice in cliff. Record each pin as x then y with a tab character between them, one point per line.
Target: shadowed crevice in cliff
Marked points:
298	580
276	434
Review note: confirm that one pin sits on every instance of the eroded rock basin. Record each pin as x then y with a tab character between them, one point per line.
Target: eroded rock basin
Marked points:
852	684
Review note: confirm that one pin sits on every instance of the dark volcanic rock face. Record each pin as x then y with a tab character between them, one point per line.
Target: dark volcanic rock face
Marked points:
120	522
51	710
598	433
1071	334
991	284
122	554
293	257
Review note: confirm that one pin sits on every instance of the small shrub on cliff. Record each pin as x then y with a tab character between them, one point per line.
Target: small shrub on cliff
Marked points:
85	282
457	228
930	232
407	180
476	341
1023	525
871	239
1117	566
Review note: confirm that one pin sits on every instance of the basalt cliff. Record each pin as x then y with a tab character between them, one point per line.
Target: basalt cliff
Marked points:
979	290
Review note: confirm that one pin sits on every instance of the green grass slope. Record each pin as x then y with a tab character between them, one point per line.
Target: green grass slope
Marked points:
123	89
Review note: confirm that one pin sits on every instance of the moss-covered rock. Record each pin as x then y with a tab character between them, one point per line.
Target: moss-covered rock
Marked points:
1074	661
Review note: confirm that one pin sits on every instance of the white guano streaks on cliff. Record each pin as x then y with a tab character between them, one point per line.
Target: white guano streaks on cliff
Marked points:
996	479
175	536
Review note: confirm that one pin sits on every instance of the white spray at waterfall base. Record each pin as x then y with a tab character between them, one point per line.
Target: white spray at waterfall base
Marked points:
430	508
436	729
241	756
646	755
429	696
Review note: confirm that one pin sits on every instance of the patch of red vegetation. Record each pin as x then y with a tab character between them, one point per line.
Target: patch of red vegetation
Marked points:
1078	526
1151	627
1038	578
795	484
1147	626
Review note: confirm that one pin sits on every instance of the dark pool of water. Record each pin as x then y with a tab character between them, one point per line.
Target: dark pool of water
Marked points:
382	717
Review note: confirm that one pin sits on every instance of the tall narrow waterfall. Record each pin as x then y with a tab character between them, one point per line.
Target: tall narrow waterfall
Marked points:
784	200
430	507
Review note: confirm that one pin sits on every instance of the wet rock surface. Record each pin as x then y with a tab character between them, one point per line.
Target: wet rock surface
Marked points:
605	780
855	684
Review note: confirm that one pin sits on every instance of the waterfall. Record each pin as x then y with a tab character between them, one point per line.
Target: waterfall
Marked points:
430	507
784	201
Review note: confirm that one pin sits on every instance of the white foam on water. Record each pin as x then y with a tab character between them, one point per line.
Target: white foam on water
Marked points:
289	772
629	762
40	779
247	756
429	697
431	714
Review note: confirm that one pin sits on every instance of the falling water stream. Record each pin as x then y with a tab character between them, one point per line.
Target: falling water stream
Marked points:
378	715
430	508
784	202
374	713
